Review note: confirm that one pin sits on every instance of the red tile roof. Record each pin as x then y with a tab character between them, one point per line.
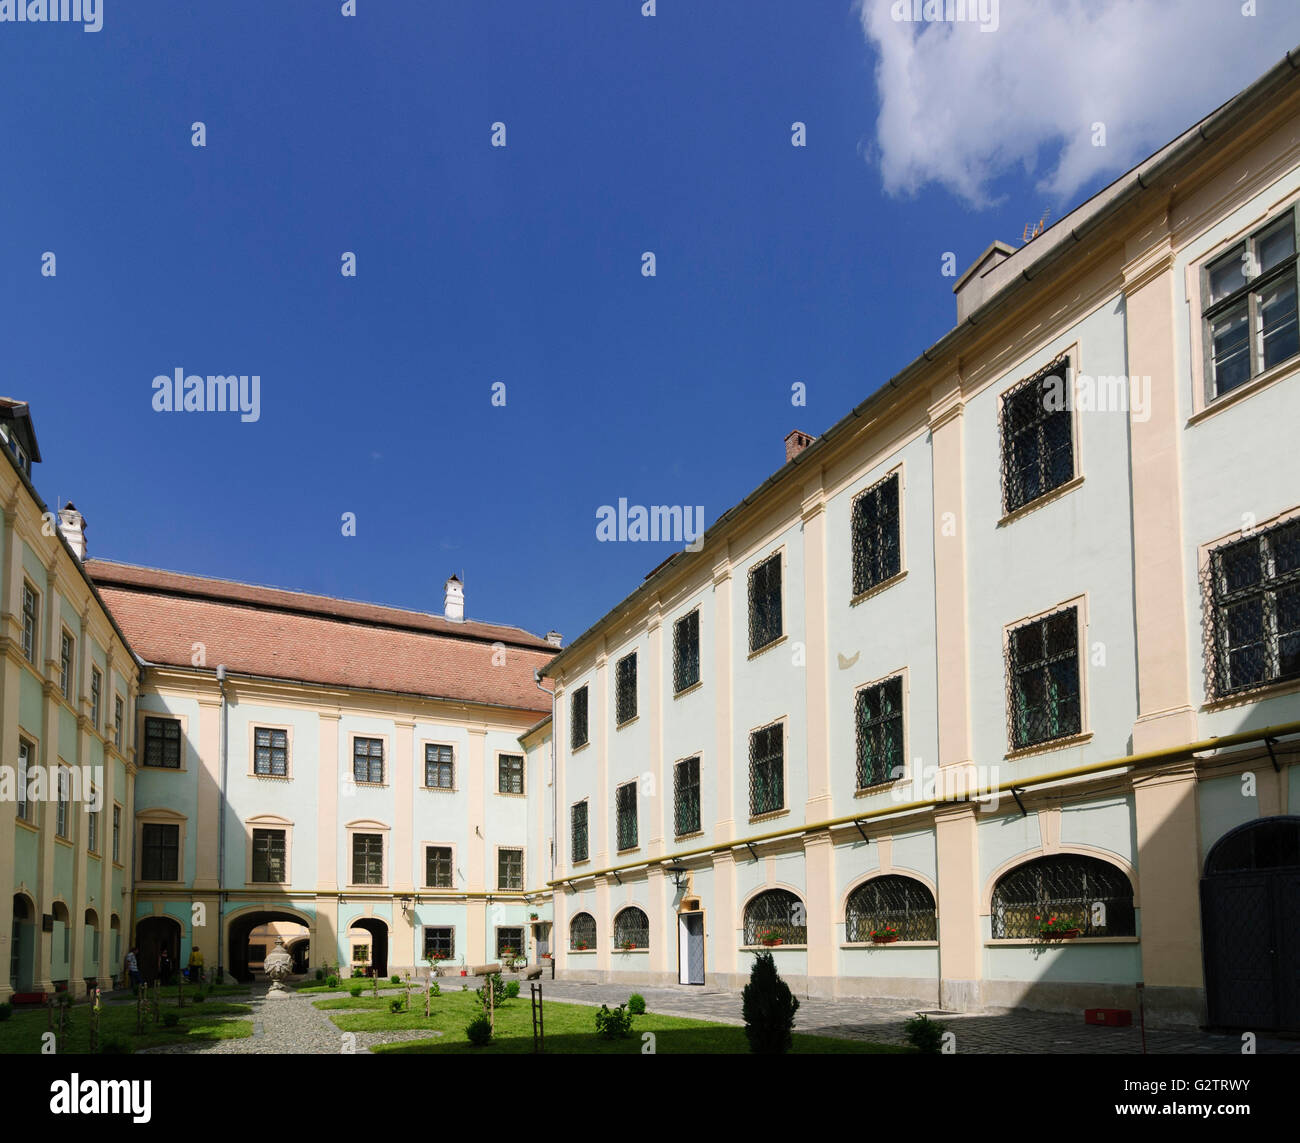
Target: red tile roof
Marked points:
291	635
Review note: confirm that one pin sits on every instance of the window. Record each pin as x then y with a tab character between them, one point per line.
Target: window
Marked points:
63	825
439	767
578	832
625	689
367	859
439	942
162	743
368	760
510	943
1043	680
92	828
1037	436
767	770
510	773
1255	609
269	852
686	797
96	687
582	932
160	852
510	868
765	603
437	866
117	721
1249	314
902	904
1066	886
776	915
270	752
26	753
360	954
625	805
880	732
578	719
631	929
117	833
66	665
877	552
29	622
686	651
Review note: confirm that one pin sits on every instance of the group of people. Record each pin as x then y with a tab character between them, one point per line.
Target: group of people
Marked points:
166	968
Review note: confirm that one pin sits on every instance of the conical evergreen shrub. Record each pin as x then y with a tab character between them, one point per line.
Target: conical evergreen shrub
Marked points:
768	1007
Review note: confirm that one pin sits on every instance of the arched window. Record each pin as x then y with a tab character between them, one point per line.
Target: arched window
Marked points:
582	932
903	903
1084	889
631	929
776	915
1270	843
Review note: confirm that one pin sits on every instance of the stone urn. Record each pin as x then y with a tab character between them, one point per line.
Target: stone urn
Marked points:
278	965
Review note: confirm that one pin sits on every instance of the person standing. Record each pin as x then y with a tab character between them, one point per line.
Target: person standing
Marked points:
133	967
196	965
165	967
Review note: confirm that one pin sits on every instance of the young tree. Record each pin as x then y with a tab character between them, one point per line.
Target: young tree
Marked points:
768	1007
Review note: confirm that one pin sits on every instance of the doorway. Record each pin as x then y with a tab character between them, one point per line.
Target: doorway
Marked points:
690	948
152	935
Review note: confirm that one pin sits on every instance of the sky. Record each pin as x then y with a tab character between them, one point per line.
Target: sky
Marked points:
501	366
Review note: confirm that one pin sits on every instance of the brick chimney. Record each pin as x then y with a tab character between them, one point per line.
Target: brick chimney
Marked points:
795	443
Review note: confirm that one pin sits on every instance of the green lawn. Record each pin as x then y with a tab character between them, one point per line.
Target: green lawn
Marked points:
570	1028
24	1030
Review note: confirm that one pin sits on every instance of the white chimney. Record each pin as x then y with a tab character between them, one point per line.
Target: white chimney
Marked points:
73	526
453	606
555	639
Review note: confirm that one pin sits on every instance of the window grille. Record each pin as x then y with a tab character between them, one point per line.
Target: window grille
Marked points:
367	859
1043	701
96	686
160	859
686	797
767	770
631	929
1267	843
765	603
510	773
439	767
625	804
578	832
578	719
776	915
162	742
117	721
510	869
271	752
1037	436
439	942
625	687
510	943
1066	886
368	760
582	932
29	623
1253	616
880	732
437	867
903	903
117	833
686	651
268	855
877	552
65	666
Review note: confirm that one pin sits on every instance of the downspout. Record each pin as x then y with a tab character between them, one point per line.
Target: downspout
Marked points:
221	834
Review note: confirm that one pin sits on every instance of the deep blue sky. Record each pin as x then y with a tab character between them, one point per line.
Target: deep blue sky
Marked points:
475	265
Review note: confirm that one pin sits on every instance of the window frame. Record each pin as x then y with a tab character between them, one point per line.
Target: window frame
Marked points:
63	816
506	777
449	763
31	639
370	760
680	687
679	788
148	717
96	695
25	808
899	769
119	711
253	878
521	951
258	727
779	726
1014	748
1068	360
367	833
622	805
117	833
775	559
67	663
502	850
162	821
574	858
574	743
432	847
427	931
625	690
868	585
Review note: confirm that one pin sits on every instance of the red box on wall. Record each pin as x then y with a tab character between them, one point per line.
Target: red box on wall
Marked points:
1108	1017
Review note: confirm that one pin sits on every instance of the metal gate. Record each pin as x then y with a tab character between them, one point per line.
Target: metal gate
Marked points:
1250	917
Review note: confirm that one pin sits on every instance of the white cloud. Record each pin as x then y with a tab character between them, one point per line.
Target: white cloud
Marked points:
962	105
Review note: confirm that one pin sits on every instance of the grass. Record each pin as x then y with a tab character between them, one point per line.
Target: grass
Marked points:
23	1032
346	986
570	1028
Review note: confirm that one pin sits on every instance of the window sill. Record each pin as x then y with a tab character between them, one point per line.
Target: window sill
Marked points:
371	785
769	948
162	769
880	787
688	836
1048	747
65	841
582	952
1035	942
441	789
509	794
1249	696
27	824
769	816
1246	390
695	686
890	945
626	722
349	889
630	849
1041	502
267	884
876	589
768	646
580	746
632	952
272	777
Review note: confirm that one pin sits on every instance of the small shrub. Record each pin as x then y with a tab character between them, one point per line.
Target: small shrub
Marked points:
112	1046
332	981
434	990
6	1010
355	990
198	998
496	986
320	974
636	1004
512	989
395	1005
357	974
768	1007
479	1031
924	1034
613	1023
170	1019
394	979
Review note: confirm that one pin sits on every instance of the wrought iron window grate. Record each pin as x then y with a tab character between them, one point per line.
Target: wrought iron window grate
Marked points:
631	929
162	743
880	732
625	806
510	869
367	859
1075	888
686	651
876	549
437	867
1043	700
1252	587
439	942
578	719
439	766
776	915
686	797
625	689
578	832
582	932
268	855
368	760
1037	436
767	770
270	752
902	903
765	603
510	942
510	774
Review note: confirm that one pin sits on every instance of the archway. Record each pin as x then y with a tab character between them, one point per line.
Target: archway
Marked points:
1250	920
239	930
377	931
22	946
300	950
152	936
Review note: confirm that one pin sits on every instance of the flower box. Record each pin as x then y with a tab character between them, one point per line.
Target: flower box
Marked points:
884	939
772	941
1059	934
